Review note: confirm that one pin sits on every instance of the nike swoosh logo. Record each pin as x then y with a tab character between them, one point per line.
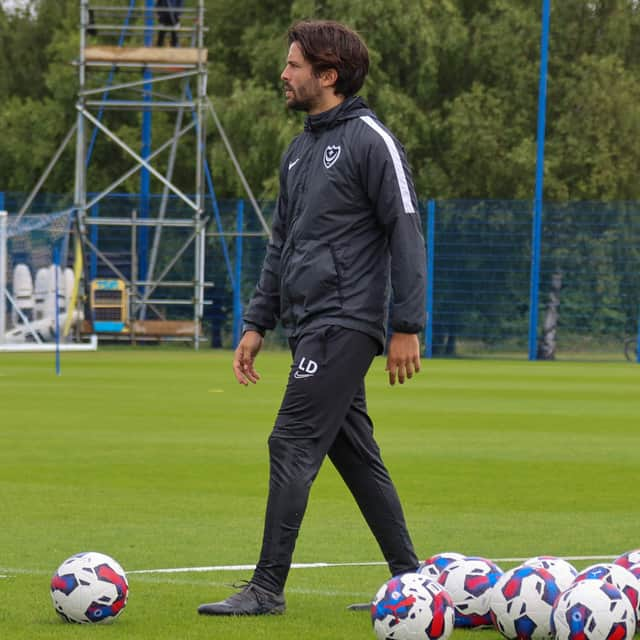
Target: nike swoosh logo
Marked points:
299	375
293	164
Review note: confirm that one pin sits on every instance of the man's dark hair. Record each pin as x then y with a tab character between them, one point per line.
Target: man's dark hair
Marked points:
326	44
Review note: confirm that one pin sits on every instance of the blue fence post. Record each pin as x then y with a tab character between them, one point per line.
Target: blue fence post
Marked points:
638	342
93	235
145	151
56	307
535	279
1	200
237	298
537	203
431	227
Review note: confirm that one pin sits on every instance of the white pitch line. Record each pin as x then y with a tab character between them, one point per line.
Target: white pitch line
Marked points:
251	567
322	565
298	565
609	557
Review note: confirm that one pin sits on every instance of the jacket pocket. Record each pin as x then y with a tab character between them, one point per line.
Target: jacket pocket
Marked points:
312	281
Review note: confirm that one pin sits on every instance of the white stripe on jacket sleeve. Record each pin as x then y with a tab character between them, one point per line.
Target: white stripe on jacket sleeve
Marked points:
397	163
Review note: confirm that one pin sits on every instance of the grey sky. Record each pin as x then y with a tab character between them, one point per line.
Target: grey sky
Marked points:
9	5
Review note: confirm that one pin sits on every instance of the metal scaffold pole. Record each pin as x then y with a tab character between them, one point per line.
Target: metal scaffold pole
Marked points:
200	162
3	274
147	79
80	187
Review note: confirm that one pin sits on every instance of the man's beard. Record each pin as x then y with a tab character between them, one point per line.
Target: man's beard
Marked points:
298	102
299	105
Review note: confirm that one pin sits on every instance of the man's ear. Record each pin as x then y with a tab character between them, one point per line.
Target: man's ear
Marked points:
329	77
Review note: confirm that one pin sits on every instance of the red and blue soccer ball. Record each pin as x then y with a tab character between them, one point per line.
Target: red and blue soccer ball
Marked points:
593	610
562	570
412	607
432	567
631	561
469	582
621	578
521	603
89	587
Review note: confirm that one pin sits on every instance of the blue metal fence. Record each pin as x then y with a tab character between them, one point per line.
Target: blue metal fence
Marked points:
481	271
480	276
590	261
586	274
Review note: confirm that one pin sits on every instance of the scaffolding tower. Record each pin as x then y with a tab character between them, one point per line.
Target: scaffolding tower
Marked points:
119	68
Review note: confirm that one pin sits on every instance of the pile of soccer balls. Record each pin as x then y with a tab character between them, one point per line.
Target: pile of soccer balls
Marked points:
545	597
89	587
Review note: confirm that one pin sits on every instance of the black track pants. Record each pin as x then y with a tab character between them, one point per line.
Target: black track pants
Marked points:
324	413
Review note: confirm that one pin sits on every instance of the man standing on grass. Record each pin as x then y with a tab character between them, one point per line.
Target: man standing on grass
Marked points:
346	233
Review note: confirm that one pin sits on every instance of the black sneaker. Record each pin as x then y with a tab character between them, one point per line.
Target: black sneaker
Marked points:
360	606
252	600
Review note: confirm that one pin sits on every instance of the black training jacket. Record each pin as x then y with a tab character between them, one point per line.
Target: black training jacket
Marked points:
346	232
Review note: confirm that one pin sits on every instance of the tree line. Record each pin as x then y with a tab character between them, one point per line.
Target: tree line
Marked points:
456	80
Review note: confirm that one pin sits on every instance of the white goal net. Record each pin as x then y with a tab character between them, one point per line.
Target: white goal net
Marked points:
40	280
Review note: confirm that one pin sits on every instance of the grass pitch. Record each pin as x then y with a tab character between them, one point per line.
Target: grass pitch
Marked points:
159	458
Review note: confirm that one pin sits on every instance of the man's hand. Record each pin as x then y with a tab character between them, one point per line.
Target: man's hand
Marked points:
244	357
403	357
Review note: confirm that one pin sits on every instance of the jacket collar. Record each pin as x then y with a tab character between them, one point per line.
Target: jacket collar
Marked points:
349	108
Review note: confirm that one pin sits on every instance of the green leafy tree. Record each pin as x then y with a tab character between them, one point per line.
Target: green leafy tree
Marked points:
455	80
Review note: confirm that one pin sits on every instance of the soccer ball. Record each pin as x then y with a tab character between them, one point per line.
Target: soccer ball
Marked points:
412	607
563	571
621	578
592	610
468	582
631	561
521	603
432	567
89	587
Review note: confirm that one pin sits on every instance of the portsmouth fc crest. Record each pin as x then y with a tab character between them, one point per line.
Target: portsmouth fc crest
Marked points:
331	154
